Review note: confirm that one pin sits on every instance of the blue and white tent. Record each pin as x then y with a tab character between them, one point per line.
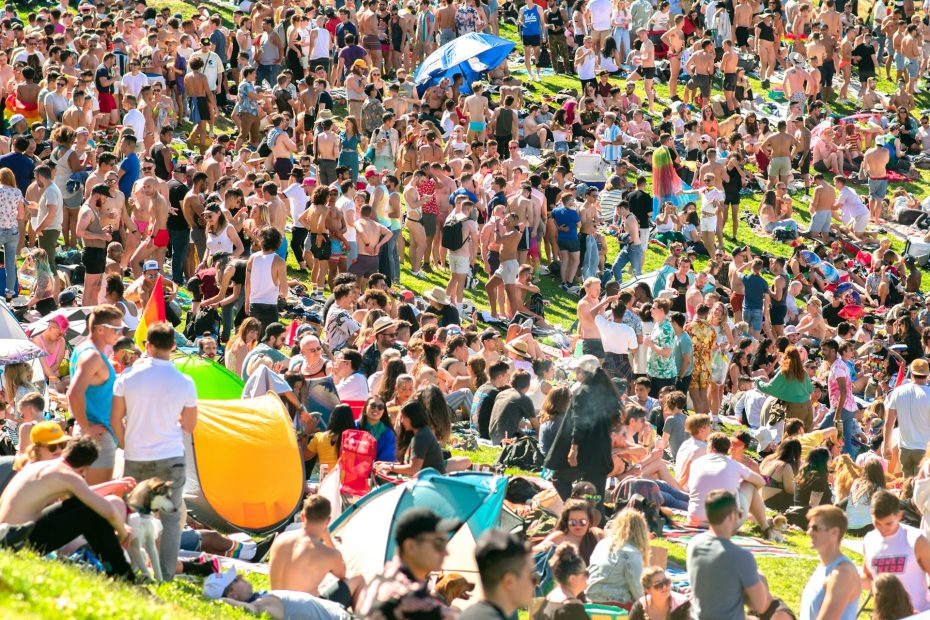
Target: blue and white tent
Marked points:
471	55
364	533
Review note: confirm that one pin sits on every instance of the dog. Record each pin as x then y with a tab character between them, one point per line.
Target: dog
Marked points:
452	586
779	529
149	496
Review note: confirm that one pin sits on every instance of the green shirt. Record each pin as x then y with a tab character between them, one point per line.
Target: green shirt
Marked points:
786	389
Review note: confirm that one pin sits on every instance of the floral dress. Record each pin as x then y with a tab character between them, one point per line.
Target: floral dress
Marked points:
664	338
704	339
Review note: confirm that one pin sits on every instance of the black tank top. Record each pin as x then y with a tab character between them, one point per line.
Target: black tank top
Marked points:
766	32
780	303
161	171
504	123
678	303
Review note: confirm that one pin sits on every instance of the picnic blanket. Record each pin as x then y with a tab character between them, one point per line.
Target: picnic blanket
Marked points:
753	544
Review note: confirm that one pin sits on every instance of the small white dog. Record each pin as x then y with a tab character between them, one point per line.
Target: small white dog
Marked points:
149	496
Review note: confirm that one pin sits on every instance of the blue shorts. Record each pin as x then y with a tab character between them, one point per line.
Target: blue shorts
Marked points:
878	188
913	68
282	249
754	318
899	61
820	221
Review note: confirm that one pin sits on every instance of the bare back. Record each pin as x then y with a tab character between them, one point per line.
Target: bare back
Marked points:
299	562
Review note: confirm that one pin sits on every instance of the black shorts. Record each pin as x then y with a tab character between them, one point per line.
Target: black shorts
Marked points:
428	220
569	245
320	251
702	83
524	243
731	198
777	314
827	71
532	40
742	36
821	167
319	62
94	260
648	73
803	163
729	82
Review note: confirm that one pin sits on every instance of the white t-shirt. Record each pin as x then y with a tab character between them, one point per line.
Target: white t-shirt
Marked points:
709	198
708	473
136	120
212	65
133	84
298	200
348	207
617	338
156	392
50	198
353	387
601	12
851	203
911	402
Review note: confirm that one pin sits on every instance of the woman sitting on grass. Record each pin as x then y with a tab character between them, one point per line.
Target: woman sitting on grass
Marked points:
566	600
575	525
660	601
617	560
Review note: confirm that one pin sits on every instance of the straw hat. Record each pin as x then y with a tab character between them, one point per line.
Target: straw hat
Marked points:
519	348
437	294
382	324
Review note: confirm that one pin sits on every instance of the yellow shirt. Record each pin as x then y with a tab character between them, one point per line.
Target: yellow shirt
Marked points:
809	441
322	445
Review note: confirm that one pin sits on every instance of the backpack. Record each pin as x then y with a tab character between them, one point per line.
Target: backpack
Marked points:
203	322
452	236
648	508
537	304
523	454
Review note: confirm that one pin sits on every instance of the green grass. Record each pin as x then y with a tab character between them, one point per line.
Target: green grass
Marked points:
32	587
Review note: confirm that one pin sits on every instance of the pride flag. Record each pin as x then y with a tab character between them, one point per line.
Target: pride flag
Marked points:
154	312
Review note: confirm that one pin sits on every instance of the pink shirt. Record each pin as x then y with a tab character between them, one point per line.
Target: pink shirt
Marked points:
708	473
839	370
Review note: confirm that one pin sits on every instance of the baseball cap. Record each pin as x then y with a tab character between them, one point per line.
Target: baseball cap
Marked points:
371	171
418	521
150	265
407	296
48	434
791	330
274	330
16	118
205	41
488	334
66	297
587	363
215	585
82	131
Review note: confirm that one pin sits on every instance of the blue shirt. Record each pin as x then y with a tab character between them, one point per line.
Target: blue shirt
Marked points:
756	288
815	591
98	399
132	167
531	25
218	39
567	217
244	103
22	168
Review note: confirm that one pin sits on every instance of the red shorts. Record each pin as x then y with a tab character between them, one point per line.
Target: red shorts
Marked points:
736	302
161	238
107	102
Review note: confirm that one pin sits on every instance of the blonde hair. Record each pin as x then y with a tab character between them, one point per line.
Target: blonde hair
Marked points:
14	377
629	527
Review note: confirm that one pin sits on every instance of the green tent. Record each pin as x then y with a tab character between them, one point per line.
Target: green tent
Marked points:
214	382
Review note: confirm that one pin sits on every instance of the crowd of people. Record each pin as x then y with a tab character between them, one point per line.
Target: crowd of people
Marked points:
728	385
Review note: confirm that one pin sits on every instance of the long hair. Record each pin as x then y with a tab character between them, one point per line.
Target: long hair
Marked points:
574	505
872	480
14	377
892	601
814	466
789	453
385	418
556	403
791	364
392	370
630	527
341	420
478	369
249	324
438	416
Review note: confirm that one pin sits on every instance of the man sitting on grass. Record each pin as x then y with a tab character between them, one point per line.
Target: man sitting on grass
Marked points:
32	511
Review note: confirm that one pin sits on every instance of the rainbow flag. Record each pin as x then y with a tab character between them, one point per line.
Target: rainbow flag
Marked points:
154	312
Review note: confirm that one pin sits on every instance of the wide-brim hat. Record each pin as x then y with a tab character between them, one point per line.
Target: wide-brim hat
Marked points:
520	348
437	294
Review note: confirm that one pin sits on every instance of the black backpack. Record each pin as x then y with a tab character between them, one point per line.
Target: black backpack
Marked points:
205	321
452	238
523	454
648	508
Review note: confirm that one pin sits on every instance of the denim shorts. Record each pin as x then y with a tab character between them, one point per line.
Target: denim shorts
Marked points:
754	318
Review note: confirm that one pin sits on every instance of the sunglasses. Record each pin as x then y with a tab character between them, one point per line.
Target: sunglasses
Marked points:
54	447
379	406
662	583
577	522
439	542
117	328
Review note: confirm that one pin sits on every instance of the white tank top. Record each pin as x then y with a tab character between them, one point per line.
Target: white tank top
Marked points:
321	46
219	242
262	289
586	70
895	555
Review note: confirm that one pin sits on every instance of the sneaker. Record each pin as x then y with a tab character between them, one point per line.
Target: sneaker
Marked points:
262	548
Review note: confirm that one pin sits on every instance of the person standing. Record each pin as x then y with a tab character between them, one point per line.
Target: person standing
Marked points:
46	224
684	352
617	338
660	365
833	590
909	405
90	395
265	278
897	549
842	402
756	299
532	23
724	576
154	404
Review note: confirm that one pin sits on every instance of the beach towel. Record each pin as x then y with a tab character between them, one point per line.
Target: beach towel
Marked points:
753	544
667	186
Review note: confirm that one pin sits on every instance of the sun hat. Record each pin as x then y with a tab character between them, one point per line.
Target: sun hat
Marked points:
215	585
519	348
382	324
437	294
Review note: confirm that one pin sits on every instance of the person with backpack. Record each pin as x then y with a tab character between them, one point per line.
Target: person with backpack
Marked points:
460	238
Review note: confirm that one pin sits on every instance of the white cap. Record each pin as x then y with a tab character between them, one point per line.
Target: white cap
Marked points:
215	585
150	265
588	363
16	118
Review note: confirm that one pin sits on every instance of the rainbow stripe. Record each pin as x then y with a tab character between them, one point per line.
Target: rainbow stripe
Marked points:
154	312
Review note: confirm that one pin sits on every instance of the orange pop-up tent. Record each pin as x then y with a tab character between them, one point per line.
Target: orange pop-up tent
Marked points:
244	469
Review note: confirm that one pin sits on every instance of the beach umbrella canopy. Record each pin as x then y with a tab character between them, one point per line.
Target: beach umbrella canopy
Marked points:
15	346
213	382
471	55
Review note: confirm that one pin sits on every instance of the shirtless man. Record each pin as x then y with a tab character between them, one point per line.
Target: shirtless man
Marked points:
73	116
911	49
874	164
803	153
476	107
214	164
516	160
796	81
779	146
647	67
590	336
674	38
157	226
326	145
831	18
827	157
317	247
202	101
521	204
33	507
889	27
299	560
742	24
897	41
902	98
729	65
445	21
822	204
430	151
277	213
148	111
337	227
368	32
282	148
701	69
371	236
714	168
507	237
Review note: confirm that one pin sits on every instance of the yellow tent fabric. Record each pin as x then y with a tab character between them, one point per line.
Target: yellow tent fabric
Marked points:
247	462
